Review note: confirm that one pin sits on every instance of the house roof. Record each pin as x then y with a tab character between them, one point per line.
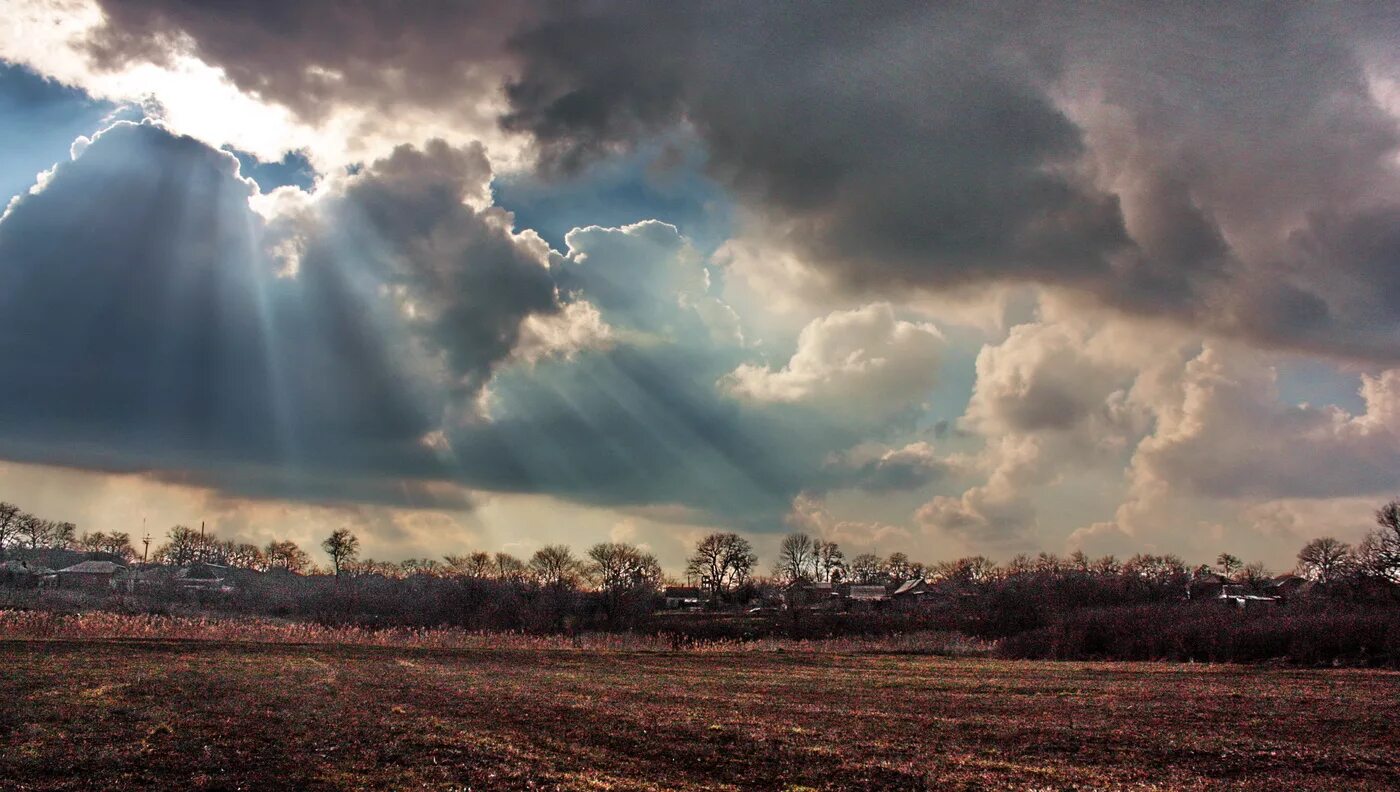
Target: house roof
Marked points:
92	568
868	593
909	586
203	571
17	567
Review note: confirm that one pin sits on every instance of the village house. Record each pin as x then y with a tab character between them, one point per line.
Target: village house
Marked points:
813	595
94	576
678	597
867	598
17	573
205	577
913	594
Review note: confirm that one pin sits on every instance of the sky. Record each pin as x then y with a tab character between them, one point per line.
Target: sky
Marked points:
969	279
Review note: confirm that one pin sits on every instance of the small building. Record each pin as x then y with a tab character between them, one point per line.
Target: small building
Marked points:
22	574
912	594
205	577
1207	586
94	576
818	595
678	597
867	597
1289	585
1247	601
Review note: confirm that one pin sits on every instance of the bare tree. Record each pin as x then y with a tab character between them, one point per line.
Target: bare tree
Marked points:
898	566
973	569
477	564
343	547
9	524
119	544
245	556
92	542
555	566
866	568
184	546
722	562
1380	552
616	568
1324	559
32	530
506	567
285	555
1254	575
831	562
797	558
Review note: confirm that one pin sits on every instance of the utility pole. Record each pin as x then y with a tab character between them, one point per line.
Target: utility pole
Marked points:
145	541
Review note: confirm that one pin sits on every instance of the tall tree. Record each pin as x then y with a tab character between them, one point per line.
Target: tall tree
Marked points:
343	547
1228	564
507	568
831	562
285	555
119	544
866	569
617	568
1324	559
722	562
184	546
9	524
1380	552
555	566
32	530
797	558
476	564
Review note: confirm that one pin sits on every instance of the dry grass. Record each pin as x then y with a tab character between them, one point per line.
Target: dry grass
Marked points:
106	625
208	715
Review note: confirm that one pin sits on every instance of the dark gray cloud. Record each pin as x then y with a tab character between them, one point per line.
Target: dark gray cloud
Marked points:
1110	149
313	55
142	326
1158	157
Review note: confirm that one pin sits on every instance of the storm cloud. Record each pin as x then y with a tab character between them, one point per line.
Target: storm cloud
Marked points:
145	326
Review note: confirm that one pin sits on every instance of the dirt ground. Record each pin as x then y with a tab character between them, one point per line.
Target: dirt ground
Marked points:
205	715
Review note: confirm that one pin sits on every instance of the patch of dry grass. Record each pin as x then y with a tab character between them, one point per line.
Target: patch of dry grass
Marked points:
106	625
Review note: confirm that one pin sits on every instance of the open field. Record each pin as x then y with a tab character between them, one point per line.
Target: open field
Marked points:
214	715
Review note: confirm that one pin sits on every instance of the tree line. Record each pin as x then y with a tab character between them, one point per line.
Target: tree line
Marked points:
723	564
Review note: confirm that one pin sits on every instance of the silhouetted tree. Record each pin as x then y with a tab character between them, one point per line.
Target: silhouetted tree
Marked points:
616	568
1379	553
1228	564
797	558
508	568
343	547
9	524
475	565
32	530
184	546
831	562
866	569
1324	559
285	555
723	562
555	566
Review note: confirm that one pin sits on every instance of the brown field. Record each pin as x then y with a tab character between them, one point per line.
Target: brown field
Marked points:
123	714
